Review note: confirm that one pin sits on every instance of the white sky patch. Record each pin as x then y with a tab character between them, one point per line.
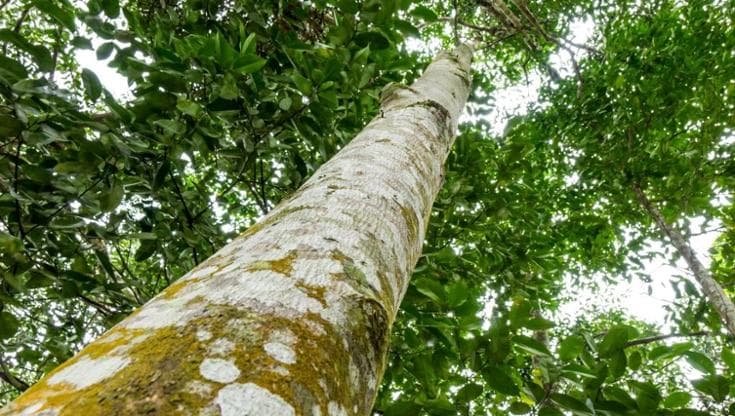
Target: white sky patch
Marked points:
113	82
633	297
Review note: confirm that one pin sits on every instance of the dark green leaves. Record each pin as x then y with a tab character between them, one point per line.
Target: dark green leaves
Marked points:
60	11
91	84
469	392
424	13
112	197
41	56
498	380
376	40
302	83
105	50
8	325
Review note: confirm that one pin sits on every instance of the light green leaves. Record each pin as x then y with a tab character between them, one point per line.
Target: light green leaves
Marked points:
571	347
302	83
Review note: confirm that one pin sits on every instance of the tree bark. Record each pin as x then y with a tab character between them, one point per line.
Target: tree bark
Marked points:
292	317
711	289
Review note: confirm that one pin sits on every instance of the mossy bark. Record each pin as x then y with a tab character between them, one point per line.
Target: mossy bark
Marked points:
294	316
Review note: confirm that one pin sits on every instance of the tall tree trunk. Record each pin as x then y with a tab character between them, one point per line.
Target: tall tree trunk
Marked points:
292	317
712	290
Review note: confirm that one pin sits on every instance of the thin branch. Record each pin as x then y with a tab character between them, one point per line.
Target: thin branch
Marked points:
66	204
648	340
18	210
21	19
187	213
9	378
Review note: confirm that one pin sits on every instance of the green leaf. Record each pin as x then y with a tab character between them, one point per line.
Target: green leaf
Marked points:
302	83
431	289
402	408
457	293
285	103
187	107
91	84
647	396
171	127
618	363
538	324
12	70
614	340
571	347
568	402
112	198
500	381
469	392
111	8
530	345
41	56
549	411
105	50
8	325
160	177
82	43
10	126
424	13
146	250
228	88
519	408
634	360
65	17
700	361
248	64
728	356
375	40
677	399
716	386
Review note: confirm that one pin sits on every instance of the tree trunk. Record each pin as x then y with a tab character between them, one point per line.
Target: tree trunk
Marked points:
292	317
712	290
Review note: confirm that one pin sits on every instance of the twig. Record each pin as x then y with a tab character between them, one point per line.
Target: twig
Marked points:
9	378
648	340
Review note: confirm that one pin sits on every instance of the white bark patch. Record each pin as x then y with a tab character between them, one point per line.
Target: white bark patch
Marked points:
219	370
336	409
33	409
203	335
280	352
199	388
251	400
221	346
87	371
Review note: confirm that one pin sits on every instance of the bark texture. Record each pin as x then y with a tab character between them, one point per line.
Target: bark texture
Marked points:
292	317
711	289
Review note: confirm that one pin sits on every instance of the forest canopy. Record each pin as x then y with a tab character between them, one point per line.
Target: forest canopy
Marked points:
614	174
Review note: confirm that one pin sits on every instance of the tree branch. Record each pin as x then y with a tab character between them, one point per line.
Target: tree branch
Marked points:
648	340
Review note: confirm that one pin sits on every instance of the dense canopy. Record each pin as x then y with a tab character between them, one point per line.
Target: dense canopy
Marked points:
623	157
